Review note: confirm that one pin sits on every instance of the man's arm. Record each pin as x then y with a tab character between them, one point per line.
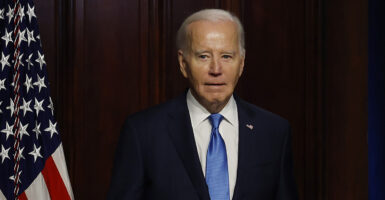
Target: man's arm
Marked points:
287	189
127	175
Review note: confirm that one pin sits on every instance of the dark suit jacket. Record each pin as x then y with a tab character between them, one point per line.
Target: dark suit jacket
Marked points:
157	157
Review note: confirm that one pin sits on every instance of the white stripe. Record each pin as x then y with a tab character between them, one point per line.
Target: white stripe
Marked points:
59	159
38	189
2	195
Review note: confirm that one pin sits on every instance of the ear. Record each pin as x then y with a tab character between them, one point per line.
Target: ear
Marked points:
182	63
242	64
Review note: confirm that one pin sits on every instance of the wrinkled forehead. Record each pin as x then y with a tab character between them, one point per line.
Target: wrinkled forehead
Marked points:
200	26
204	29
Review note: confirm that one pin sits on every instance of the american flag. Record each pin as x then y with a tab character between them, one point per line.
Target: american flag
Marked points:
32	164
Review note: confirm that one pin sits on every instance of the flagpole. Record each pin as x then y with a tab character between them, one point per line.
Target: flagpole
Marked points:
16	85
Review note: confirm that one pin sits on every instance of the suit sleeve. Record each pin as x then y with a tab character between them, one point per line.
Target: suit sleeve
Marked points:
127	175
287	186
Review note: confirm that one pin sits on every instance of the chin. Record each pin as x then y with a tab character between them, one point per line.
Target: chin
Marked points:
211	98
218	99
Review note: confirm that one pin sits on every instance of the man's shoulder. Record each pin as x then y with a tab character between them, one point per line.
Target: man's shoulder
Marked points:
259	114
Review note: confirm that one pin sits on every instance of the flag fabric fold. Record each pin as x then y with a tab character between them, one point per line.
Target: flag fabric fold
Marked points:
32	163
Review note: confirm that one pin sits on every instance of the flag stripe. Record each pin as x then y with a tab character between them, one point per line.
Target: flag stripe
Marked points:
22	196
38	189
58	156
54	182
2	195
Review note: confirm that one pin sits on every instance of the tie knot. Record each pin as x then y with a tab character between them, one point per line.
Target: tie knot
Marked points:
215	119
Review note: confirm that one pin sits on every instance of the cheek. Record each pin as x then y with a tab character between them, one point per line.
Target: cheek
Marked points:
195	79
233	74
197	74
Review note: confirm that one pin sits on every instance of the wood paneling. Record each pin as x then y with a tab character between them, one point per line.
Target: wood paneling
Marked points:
313	175
305	60
345	51
275	72
108	88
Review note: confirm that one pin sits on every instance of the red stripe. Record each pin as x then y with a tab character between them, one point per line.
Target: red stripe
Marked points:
22	196
54	182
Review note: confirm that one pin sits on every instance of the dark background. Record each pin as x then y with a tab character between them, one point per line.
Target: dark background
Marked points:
376	99
306	60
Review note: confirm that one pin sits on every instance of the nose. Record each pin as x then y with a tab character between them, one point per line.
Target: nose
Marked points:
215	67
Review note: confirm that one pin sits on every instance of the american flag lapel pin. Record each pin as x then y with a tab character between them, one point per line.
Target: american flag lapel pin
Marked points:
250	126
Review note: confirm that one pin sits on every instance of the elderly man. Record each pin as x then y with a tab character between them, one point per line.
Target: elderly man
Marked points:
206	143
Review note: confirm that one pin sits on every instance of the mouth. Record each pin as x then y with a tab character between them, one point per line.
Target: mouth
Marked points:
215	87
215	84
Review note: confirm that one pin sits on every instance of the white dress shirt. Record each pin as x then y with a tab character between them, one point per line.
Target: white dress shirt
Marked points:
228	128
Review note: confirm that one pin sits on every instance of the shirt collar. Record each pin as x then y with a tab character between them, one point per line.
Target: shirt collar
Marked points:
198	113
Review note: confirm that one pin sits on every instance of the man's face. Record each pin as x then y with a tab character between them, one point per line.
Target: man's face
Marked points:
213	63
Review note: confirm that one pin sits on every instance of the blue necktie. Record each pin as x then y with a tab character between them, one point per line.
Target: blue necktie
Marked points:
217	177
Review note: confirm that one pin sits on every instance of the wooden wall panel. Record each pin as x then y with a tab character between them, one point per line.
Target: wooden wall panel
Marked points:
313	174
305	60
275	73
108	86
345	46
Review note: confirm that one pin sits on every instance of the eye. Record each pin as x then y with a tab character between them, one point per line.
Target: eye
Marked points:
203	56
226	56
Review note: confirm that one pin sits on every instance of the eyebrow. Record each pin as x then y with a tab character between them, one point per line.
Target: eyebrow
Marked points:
228	52
198	52
206	51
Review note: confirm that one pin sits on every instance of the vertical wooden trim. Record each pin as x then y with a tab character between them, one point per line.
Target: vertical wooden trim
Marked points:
167	45
154	49
75	93
63	76
233	6
314	143
144	55
158	36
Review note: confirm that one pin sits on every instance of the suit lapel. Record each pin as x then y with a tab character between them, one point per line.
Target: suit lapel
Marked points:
249	137
181	134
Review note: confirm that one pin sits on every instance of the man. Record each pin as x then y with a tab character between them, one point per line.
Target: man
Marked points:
207	143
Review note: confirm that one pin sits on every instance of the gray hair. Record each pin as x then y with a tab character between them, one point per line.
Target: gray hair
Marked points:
212	15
